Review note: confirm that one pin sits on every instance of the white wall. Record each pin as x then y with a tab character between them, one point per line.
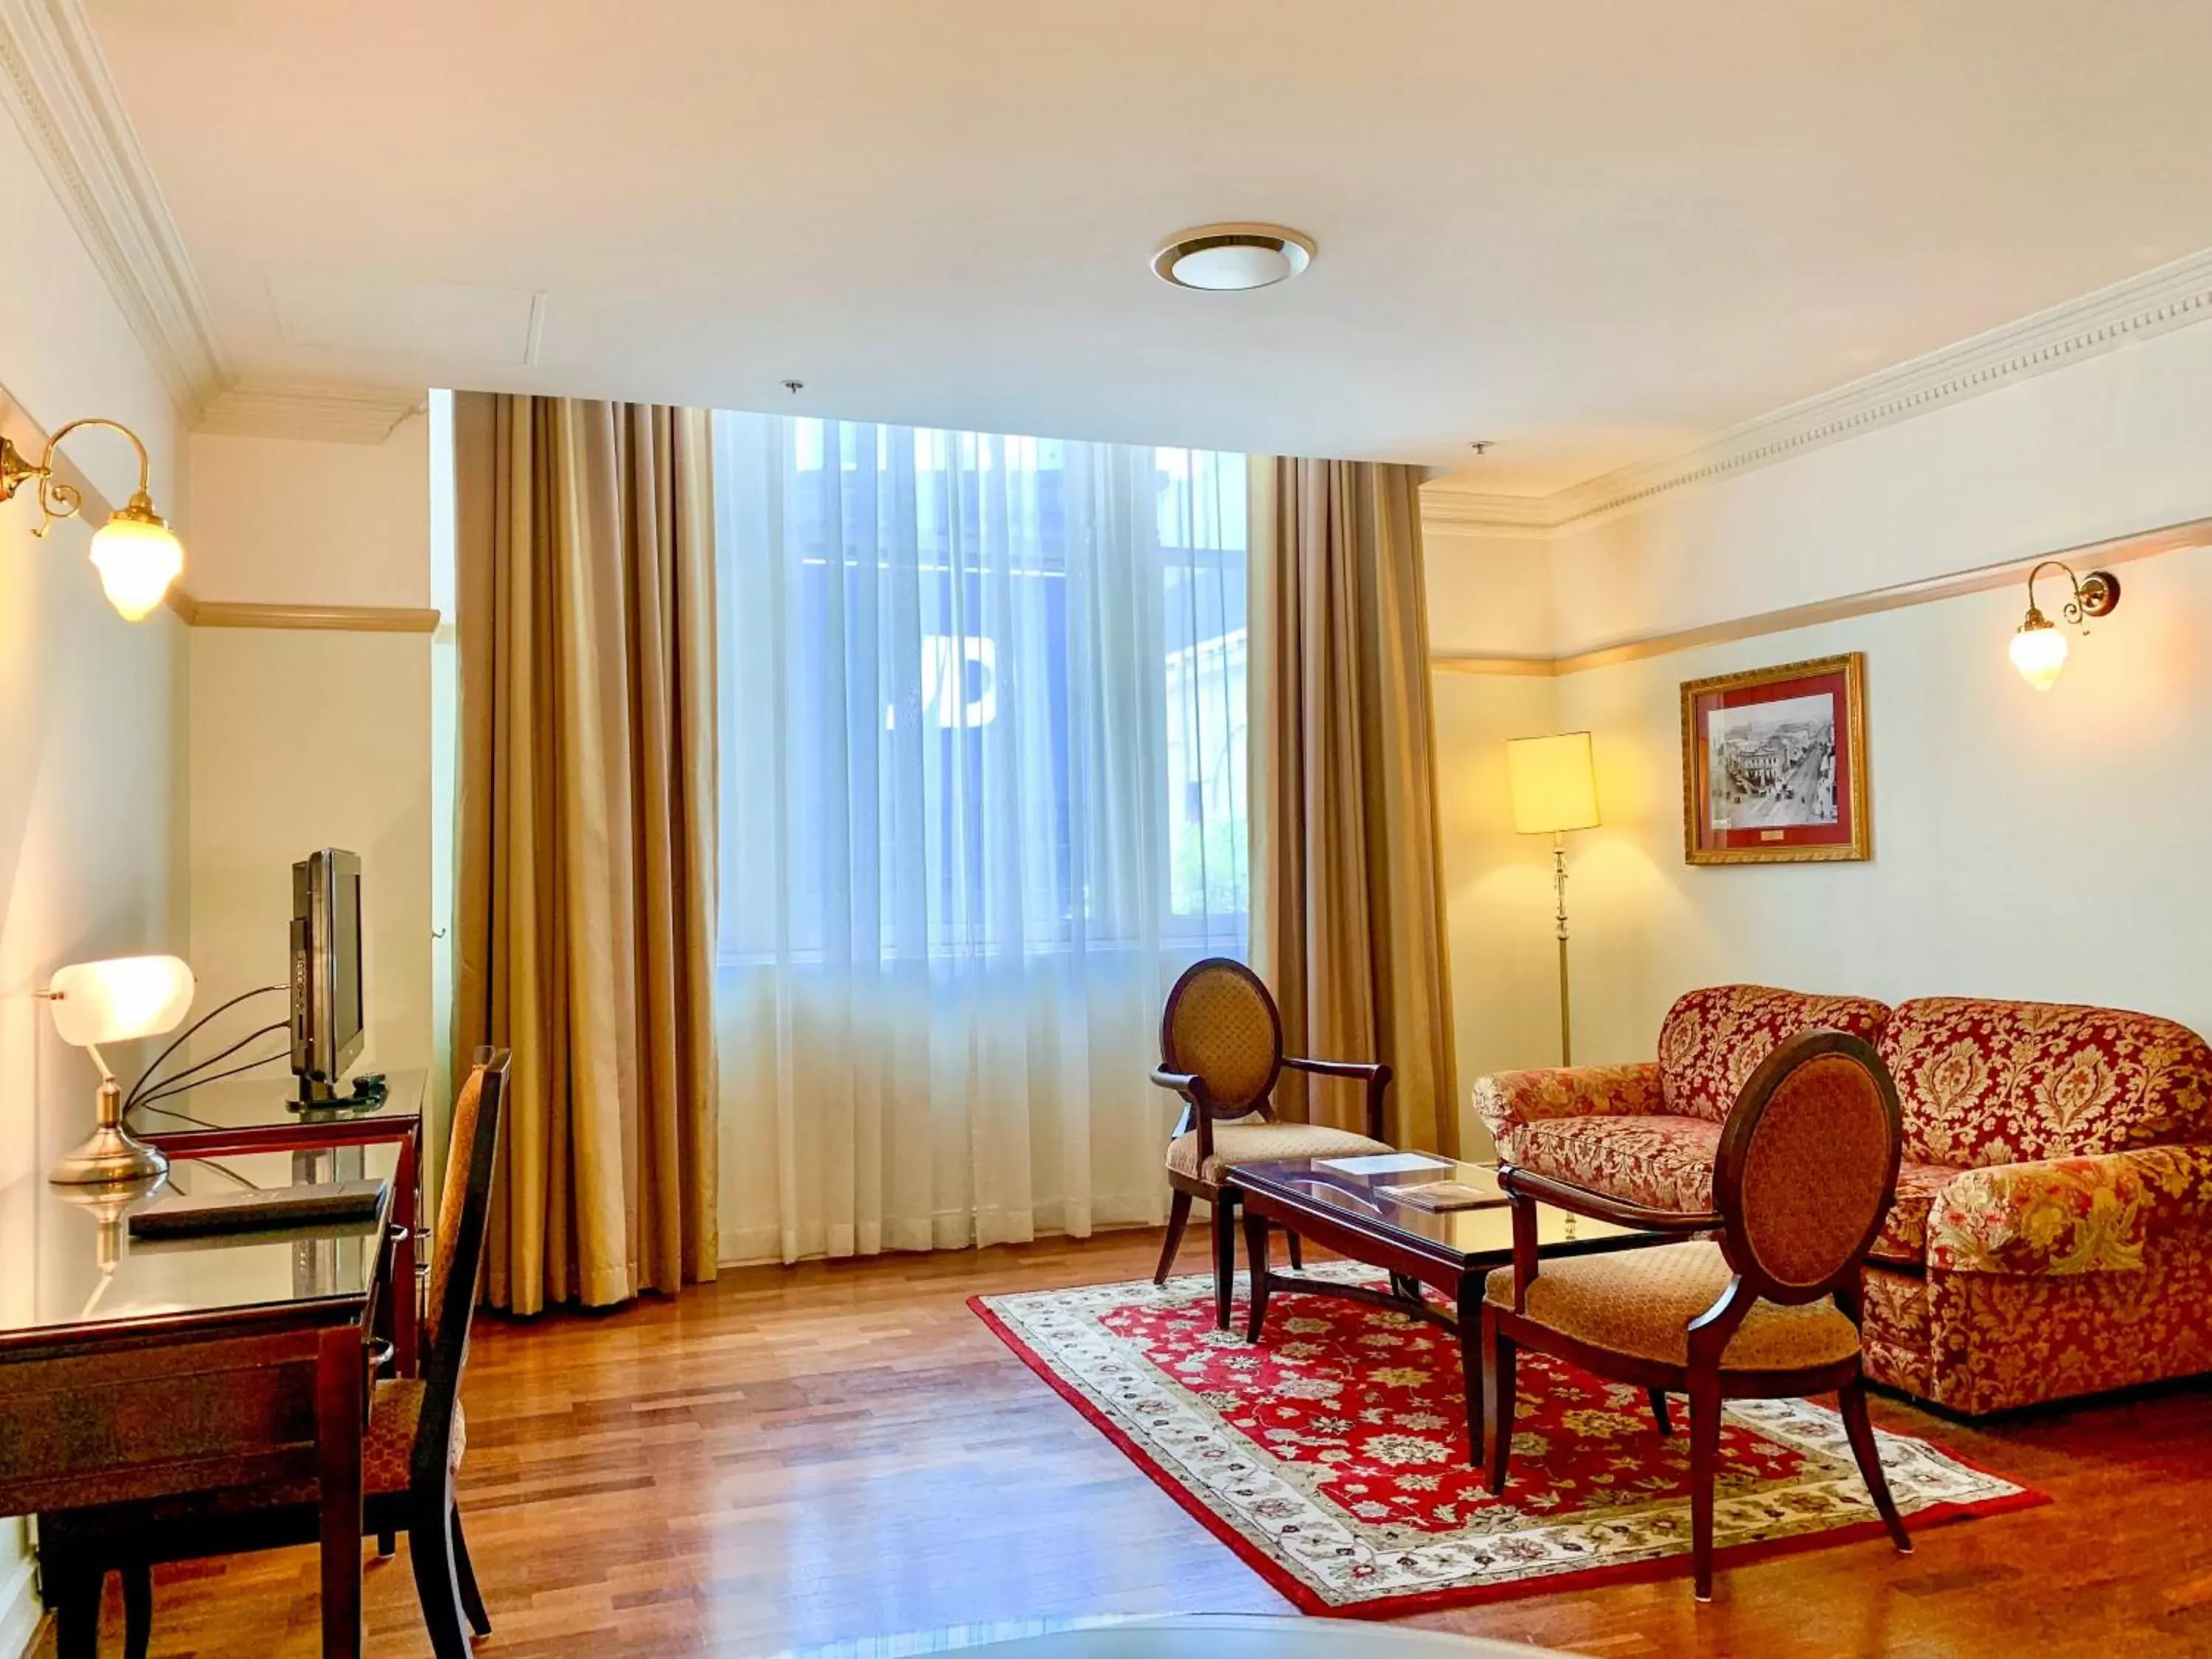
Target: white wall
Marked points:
308	738
2026	844
91	720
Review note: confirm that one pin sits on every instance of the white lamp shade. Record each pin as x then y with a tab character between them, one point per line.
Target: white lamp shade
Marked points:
122	998
137	558
2039	654
1554	783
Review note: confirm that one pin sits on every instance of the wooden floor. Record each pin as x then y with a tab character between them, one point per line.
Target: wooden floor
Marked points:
798	1456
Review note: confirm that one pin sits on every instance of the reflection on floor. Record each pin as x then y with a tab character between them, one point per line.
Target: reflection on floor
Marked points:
791	1459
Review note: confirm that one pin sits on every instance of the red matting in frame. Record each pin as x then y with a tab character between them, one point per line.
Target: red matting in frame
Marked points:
1836	680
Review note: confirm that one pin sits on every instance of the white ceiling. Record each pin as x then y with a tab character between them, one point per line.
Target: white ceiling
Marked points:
1595	232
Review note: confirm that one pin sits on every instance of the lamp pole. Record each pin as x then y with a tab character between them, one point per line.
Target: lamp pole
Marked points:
1559	891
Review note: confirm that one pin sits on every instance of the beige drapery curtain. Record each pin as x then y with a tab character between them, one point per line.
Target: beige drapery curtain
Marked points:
586	908
1347	889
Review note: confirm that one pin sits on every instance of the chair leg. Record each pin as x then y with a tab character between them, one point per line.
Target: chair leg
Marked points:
1499	1361
1178	1218
1298	1248
1705	1470
387	1545
464	1578
1225	1255
137	1610
1658	1398
76	1602
1850	1405
430	1548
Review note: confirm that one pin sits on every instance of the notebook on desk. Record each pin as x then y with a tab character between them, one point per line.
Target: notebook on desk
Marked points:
259	1210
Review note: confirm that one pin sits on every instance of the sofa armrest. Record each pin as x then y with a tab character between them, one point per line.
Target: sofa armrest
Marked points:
2068	1215
1506	1100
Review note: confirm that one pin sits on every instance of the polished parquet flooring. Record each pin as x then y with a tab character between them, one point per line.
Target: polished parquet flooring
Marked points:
790	1457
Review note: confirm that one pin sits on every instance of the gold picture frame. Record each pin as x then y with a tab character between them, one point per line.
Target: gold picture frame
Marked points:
1792	787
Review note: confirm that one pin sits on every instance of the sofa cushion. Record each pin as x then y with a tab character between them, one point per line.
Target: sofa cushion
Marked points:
1984	1082
1714	1039
1662	1161
1904	1237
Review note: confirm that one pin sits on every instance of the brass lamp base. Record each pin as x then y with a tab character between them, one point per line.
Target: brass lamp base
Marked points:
111	1153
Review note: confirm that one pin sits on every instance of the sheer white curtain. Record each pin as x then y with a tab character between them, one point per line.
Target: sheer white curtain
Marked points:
983	795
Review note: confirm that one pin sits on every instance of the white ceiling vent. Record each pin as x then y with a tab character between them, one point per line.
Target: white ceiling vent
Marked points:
351	310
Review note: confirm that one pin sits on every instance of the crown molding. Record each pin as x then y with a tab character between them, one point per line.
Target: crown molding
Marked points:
1449	510
337	414
56	84
2171	296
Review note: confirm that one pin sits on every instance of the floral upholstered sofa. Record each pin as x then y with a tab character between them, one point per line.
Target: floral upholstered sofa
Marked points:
2052	1231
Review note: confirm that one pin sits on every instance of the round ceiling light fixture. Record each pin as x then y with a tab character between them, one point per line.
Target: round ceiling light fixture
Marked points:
1231	258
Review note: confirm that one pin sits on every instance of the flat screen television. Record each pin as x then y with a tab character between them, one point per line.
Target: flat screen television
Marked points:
326	994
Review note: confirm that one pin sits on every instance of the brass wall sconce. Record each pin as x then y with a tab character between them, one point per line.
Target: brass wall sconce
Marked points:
137	554
2038	649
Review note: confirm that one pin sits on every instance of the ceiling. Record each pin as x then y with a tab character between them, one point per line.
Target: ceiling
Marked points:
1595	232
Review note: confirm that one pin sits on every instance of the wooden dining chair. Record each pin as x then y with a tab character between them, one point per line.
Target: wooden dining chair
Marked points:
1221	1049
411	1449
1804	1174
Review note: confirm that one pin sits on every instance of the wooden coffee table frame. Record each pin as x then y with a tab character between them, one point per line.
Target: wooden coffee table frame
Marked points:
1413	1262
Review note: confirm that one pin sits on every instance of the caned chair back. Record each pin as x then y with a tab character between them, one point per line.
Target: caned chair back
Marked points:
1808	1166
457	1263
1221	1026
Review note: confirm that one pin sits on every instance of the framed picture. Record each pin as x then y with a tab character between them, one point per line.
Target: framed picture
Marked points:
1774	764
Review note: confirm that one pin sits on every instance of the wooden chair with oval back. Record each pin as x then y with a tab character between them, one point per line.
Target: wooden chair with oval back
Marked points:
1221	1049
409	1453
1804	1174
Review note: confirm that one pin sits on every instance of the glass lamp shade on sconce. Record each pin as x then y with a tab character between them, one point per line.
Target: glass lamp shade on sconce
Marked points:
2038	651
138	557
113	1001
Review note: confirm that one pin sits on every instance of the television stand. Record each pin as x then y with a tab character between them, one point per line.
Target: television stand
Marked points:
370	1091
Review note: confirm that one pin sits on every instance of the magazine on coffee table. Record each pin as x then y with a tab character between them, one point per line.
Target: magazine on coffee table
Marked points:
1439	1196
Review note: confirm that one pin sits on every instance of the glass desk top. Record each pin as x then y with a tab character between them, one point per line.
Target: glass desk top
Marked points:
1366	1199
67	1257
242	1102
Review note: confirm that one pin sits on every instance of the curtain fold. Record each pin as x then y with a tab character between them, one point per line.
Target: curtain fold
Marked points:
586	799
983	747
1348	891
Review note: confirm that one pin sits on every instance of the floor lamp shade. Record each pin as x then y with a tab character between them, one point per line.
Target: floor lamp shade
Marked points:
1554	783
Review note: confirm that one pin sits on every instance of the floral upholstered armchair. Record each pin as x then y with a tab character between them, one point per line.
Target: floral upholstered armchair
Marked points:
2051	1234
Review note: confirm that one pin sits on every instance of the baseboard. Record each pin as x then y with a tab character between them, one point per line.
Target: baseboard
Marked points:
20	1612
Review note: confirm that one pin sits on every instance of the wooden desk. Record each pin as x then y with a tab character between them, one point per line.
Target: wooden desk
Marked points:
239	1116
134	1371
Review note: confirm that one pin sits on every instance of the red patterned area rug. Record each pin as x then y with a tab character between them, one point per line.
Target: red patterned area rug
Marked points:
1331	1456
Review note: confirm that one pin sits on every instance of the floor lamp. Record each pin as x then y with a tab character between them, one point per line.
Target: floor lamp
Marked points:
1555	790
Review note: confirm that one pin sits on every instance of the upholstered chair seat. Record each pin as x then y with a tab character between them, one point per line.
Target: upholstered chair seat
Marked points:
1260	1140
1641	1303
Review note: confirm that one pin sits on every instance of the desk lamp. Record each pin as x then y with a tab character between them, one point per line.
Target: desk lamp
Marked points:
114	1001
1554	790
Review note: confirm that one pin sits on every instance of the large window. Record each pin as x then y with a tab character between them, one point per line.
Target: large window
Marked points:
983	697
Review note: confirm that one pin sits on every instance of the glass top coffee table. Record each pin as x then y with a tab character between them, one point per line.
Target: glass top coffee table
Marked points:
1360	1208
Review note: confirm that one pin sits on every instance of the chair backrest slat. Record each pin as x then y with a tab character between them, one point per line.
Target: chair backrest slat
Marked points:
1222	1026
1807	1167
